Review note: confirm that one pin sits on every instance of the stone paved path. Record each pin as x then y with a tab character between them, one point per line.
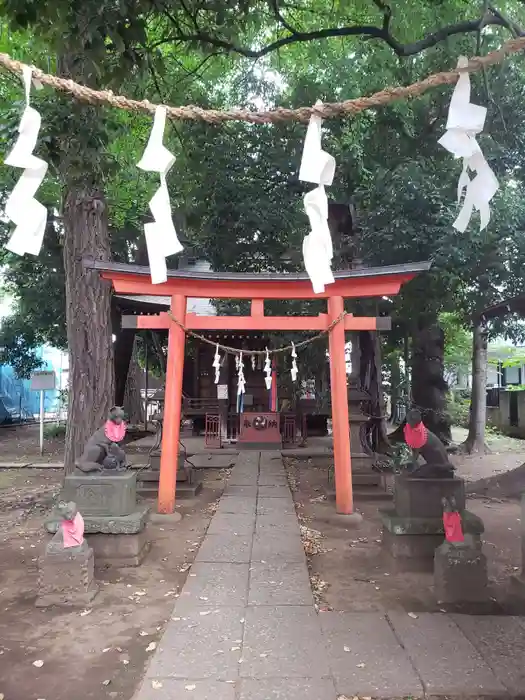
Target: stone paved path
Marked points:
245	627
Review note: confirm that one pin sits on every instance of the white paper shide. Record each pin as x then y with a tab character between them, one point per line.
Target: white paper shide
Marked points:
241	381
294	370
161	236
465	121
28	215
317	167
267	369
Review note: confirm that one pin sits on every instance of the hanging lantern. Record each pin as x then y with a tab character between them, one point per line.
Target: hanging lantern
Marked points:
217	364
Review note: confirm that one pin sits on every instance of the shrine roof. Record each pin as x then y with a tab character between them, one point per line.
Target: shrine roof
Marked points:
192	274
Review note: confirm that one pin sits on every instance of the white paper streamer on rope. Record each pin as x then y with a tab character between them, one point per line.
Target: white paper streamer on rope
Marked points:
28	215
294	369
317	167
253	363
161	236
268	370
241	382
465	121
217	364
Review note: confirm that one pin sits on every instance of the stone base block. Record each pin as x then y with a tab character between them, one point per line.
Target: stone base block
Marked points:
154	463
413	541
421	498
124	525
517	587
460	574
259	446
102	494
66	577
119	550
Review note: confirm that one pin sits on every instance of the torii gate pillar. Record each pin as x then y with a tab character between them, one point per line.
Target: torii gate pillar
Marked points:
172	408
340	423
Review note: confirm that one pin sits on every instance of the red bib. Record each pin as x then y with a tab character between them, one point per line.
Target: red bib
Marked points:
415	437
114	432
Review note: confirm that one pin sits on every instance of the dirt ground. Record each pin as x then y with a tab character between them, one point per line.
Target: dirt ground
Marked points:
104	648
350	572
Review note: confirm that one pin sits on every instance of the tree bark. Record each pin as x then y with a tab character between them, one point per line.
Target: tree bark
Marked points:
475	441
132	397
88	317
429	389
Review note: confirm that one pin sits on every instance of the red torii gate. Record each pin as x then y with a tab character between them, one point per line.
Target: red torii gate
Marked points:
363	282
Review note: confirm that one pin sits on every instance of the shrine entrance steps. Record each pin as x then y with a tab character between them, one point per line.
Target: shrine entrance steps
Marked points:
245	626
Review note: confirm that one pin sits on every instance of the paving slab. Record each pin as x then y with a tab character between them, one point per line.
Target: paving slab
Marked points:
226	548
283	642
188	688
199	646
278	547
501	642
279	584
273	480
216	584
287	689
366	658
233	490
274	492
241	505
247	458
226	523
242	480
447	663
268	506
285	522
213	461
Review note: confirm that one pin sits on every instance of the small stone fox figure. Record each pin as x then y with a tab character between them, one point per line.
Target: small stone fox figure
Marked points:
102	452
424	442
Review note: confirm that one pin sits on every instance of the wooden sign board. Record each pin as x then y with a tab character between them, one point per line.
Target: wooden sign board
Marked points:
43	381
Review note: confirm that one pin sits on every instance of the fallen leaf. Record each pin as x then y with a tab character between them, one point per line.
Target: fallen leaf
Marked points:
235	648
413	615
202	597
85	612
140	593
346	648
38	663
360	665
205	612
104	651
190	687
151	646
106	682
125	662
156	685
144	634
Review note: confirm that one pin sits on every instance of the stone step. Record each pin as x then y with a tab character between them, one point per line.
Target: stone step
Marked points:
184	490
365	494
152	475
366	479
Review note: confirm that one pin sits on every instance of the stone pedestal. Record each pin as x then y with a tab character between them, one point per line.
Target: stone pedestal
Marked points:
517	583
460	574
361	458
413	529
188	483
108	503
66	576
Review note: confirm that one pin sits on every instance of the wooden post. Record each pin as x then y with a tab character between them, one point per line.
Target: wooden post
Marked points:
340	424
172	408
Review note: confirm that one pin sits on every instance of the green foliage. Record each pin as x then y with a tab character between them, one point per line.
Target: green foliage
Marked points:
54	431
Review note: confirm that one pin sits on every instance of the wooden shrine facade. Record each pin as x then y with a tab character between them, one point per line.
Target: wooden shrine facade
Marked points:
181	285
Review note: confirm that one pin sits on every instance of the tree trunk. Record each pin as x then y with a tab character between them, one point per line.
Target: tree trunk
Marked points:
395	385
123	352
132	397
371	382
429	389
475	441
88	317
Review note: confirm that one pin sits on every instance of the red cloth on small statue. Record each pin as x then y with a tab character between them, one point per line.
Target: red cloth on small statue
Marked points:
73	531
115	432
415	437
453	529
